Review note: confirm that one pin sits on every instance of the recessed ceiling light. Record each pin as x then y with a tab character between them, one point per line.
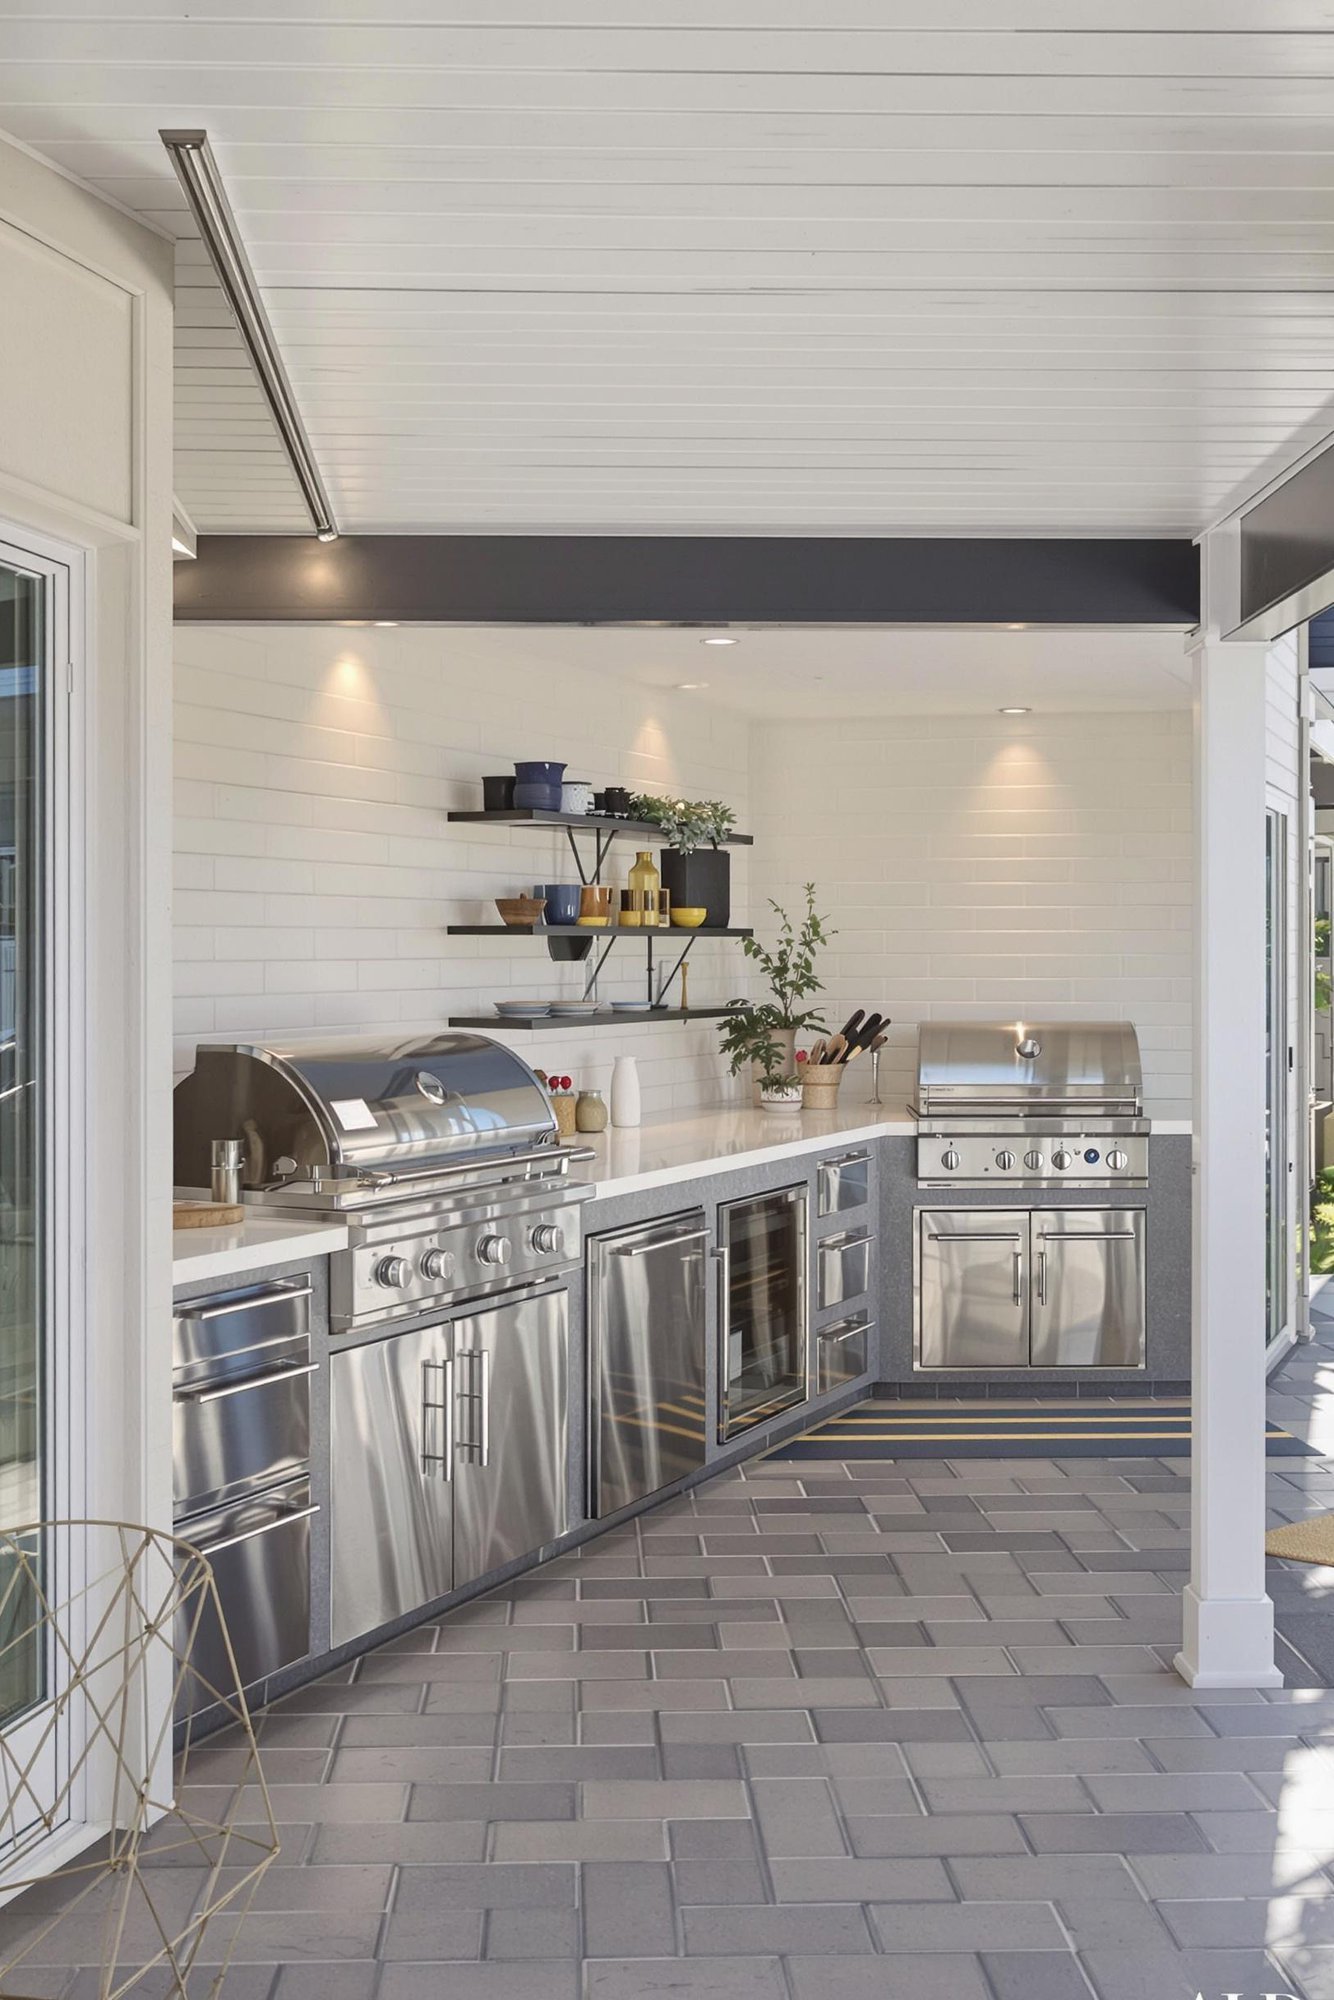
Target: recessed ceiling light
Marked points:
718	639
1014	711
687	687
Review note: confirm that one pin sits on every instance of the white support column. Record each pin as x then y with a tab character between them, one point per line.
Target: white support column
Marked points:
1228	1635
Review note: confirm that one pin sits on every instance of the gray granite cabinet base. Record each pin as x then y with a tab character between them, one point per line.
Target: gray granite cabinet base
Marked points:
893	1196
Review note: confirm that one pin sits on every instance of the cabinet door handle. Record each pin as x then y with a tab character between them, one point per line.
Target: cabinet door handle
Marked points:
1042	1277
660	1243
1089	1235
441	1460
723	1257
966	1236
484	1439
1018	1277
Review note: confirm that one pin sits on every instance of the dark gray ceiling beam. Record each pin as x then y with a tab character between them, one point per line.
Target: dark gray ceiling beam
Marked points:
672	579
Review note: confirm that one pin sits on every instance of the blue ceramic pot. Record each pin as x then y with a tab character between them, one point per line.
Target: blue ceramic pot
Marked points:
562	901
537	798
539	774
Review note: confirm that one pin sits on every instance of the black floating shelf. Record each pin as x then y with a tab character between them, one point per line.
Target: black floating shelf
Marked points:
590	822
608	1020
678	934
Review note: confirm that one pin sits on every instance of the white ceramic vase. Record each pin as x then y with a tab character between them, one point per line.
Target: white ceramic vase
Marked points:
625	1104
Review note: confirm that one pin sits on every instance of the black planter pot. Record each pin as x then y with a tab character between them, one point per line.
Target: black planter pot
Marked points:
702	880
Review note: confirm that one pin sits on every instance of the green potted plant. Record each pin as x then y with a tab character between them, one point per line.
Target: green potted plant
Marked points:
763	1033
696	868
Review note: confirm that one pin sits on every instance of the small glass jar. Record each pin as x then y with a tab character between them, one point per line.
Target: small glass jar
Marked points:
590	1112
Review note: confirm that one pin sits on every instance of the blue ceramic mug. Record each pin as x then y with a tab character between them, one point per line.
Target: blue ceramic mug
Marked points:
562	901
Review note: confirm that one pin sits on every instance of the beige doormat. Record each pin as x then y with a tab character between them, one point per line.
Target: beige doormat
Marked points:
1304	1541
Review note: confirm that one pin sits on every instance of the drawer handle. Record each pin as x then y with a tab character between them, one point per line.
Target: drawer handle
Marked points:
660	1243
253	1347
278	1296
844	1160
846	1239
837	1339
210	1549
264	1381
972	1236
1088	1235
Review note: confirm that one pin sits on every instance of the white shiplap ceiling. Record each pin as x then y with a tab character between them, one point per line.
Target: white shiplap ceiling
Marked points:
869	266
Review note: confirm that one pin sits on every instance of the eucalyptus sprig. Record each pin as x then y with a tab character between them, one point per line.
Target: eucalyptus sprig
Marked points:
685	824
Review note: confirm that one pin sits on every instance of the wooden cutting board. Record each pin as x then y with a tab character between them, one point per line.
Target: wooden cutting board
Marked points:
205	1214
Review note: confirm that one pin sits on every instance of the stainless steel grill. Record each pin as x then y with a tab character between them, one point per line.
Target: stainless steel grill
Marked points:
440	1154
1030	1103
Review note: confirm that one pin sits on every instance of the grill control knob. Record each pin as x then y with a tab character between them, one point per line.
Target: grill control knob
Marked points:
1033	1161
392	1273
438	1264
546	1238
1061	1159
1005	1161
1117	1160
494	1250
949	1159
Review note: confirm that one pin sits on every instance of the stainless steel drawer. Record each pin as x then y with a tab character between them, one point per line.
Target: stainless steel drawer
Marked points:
233	1436
235	1331
260	1556
845	1266
843	1351
843	1182
240	1394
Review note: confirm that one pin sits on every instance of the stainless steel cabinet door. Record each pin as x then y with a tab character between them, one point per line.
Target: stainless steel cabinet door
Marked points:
1088	1288
646	1314
972	1288
392	1493
511	1368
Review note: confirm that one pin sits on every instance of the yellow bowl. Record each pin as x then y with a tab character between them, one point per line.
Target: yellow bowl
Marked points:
688	916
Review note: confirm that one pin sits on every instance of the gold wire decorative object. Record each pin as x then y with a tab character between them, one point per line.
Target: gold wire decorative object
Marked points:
117	1654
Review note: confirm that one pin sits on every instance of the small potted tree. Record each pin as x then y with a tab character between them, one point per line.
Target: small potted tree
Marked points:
696	868
750	1027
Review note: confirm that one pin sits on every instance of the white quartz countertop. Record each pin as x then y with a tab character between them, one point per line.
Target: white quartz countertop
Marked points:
666	1150
253	1245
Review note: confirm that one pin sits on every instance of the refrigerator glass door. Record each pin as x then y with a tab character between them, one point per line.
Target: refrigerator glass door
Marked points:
763	1329
646	1305
511	1481
392	1478
973	1288
1088	1288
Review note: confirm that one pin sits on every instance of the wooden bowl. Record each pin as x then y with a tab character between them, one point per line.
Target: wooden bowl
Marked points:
521	909
688	916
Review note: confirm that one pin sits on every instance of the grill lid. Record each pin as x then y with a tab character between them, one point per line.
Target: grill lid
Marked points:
1013	1066
352	1107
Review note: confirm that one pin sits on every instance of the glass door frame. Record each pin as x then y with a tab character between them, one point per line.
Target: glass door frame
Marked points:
41	1731
1280	1057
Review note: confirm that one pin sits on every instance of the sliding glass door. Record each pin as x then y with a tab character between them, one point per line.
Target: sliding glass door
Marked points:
35	1441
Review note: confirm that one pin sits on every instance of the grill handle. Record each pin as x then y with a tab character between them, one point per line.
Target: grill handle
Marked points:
563	1157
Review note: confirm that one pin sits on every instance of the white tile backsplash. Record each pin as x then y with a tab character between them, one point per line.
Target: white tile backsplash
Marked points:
317	869
973	865
988	865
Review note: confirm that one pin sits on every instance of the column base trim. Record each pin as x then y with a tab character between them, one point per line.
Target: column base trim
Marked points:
1227	1642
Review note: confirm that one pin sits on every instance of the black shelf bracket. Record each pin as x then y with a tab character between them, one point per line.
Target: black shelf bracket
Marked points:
602	842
